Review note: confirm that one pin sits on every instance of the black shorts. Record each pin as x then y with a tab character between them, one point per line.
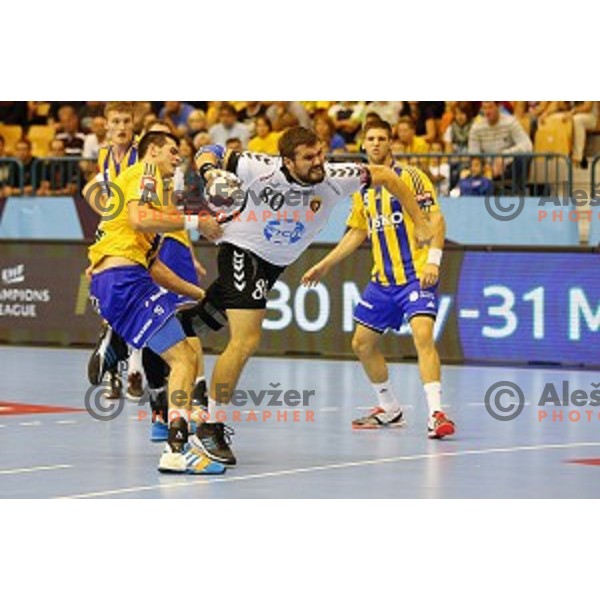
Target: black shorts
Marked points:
244	279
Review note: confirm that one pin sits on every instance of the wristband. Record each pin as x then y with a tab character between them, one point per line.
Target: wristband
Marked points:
204	169
191	222
434	256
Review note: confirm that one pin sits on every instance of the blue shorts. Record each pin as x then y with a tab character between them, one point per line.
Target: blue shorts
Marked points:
384	307
133	304
178	258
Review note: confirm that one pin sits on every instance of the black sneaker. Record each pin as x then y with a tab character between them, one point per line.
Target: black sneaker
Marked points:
214	439
109	351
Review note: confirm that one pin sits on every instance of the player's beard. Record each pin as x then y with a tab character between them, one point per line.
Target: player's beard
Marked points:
314	175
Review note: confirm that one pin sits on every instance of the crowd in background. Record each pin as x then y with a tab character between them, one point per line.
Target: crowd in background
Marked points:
49	130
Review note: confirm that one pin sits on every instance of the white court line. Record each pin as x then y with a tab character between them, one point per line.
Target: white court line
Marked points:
483	404
402	406
329	409
34	469
65	422
30	423
206	480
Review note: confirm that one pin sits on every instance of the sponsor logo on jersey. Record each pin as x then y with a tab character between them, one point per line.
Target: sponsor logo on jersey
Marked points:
393	220
285	232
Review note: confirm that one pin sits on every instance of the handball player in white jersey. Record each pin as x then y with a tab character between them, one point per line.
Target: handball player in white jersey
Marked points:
284	202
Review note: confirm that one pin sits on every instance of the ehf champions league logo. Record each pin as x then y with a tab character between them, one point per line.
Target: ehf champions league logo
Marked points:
284	232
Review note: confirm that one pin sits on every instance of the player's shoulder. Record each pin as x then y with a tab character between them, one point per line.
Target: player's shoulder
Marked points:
260	159
344	170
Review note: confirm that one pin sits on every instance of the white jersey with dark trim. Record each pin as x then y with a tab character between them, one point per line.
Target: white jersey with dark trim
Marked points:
280	217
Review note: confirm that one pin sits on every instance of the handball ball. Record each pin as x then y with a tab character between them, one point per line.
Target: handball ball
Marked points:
224	190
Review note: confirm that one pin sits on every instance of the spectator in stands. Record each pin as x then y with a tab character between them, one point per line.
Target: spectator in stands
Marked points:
456	137
250	113
448	117
57	178
387	111
234	144
149	120
69	133
228	127
96	138
37	112
325	130
500	134
177	113
265	141
475	184
4	168
409	142
196	122
425	117
140	111
186	152
22	153
88	113
284	115
585	118
439	169
347	118
202	138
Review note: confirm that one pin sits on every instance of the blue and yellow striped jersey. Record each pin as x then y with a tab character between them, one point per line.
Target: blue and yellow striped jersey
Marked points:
109	167
396	258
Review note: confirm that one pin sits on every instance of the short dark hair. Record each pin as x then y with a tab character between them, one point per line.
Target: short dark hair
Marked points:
294	137
407	121
156	138
228	108
378	124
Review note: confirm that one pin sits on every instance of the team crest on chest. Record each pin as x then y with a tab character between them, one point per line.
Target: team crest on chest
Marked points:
315	204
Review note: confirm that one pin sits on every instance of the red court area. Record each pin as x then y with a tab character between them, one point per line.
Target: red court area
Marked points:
12	409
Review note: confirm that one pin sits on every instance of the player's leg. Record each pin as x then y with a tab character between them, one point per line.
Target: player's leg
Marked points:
387	412
429	368
375	313
200	391
157	370
179	456
135	376
245	331
109	351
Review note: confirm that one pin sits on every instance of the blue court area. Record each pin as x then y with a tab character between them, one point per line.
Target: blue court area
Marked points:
69	454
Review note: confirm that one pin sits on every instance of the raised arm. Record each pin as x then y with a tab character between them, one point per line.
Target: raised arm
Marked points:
346	246
387	178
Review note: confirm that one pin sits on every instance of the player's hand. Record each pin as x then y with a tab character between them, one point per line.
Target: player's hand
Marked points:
200	270
314	275
88	273
423	233
431	275
209	227
199	294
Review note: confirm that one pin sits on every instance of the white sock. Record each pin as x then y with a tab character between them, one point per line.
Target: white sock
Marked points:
385	396
134	363
212	411
433	392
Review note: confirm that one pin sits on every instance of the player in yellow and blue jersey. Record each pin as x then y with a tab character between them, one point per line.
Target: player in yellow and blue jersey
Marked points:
129	298
404	282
